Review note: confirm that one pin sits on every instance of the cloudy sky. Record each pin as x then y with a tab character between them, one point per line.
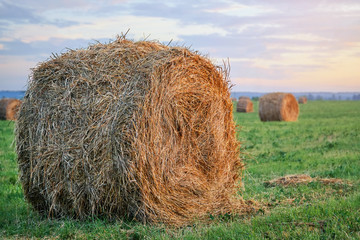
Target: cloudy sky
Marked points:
272	45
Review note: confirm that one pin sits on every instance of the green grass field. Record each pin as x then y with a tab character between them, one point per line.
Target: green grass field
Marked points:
323	143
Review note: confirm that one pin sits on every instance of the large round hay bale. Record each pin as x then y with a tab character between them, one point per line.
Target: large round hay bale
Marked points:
244	105
9	108
302	100
129	129
278	107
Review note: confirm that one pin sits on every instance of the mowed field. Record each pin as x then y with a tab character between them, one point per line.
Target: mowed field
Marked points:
324	143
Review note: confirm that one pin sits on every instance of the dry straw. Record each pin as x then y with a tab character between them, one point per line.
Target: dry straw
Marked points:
302	100
290	180
244	105
9	108
278	107
129	129
296	179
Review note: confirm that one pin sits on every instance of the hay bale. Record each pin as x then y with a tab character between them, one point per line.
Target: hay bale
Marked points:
129	129
244	105
302	100
278	107
9	108
244	97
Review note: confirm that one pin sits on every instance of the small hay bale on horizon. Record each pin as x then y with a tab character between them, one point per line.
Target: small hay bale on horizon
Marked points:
244	97
244	105
129	129
302	100
9	107
278	107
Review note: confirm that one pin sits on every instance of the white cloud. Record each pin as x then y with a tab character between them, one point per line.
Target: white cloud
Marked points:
245	27
240	10
96	28
309	37
339	7
271	40
300	48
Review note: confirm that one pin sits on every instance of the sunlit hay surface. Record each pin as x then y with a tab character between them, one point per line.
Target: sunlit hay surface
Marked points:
278	107
129	129
302	100
9	108
244	105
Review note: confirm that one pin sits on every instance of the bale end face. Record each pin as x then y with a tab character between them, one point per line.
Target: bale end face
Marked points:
9	107
302	100
278	107
244	105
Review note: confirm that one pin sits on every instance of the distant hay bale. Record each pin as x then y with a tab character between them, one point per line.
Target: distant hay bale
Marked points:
278	107
244	105
233	99
244	97
129	129
302	100
9	108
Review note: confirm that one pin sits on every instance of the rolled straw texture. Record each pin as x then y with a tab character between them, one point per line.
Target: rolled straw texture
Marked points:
244	105
129	129
9	108
278	107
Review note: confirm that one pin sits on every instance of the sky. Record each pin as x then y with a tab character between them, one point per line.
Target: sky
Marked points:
271	45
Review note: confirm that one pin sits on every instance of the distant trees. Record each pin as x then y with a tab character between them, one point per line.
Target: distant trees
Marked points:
356	97
334	96
319	97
